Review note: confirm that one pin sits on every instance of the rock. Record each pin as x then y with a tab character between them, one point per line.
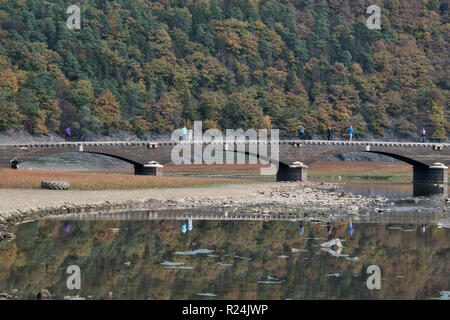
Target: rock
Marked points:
4	296
6	236
77	297
353	209
44	294
337	275
334	242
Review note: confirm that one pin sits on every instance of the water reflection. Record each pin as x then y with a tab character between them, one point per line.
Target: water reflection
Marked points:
227	259
183	225
424	228
395	190
430	189
350	227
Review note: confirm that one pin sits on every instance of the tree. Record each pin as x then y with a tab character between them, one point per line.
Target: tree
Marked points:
86	124
439	121
107	110
163	116
242	112
212	104
10	116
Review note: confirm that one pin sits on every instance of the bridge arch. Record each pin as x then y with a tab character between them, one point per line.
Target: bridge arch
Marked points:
133	162
408	160
35	155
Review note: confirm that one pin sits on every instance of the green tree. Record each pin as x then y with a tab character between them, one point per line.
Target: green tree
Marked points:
439	121
107	109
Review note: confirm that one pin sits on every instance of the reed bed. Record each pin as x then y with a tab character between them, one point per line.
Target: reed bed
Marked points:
31	179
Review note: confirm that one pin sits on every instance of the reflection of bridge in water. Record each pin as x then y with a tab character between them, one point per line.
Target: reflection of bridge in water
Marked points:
431	217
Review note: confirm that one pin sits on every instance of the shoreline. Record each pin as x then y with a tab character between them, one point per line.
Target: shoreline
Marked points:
314	198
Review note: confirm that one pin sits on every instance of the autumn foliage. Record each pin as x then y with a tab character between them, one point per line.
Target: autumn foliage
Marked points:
143	66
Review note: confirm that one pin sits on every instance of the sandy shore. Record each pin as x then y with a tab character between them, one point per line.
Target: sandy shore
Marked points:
24	199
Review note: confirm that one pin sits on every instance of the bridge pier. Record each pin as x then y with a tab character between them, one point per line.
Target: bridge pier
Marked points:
297	171
432	180
151	168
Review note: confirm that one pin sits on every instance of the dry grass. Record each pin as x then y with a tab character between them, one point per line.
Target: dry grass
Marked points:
124	178
31	179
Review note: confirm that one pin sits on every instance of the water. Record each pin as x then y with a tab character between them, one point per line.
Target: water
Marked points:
195	254
379	189
394	190
226	259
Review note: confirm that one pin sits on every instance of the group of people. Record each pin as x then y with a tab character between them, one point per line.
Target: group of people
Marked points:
183	225
350	228
302	133
424	135
351	134
188	135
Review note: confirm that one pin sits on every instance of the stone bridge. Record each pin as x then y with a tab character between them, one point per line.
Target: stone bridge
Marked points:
429	160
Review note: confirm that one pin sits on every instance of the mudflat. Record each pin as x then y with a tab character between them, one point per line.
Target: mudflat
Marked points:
24	199
312	196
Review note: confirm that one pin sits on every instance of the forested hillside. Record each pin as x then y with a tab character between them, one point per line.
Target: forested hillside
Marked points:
152	66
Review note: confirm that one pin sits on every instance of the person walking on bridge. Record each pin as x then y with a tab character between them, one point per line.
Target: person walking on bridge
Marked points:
183	226
190	134
351	132
184	133
301	132
68	133
424	135
329	133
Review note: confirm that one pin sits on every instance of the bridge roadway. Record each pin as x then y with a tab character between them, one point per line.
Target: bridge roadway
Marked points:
429	160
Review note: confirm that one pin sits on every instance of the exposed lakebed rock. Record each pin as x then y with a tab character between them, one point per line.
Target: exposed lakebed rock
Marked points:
296	198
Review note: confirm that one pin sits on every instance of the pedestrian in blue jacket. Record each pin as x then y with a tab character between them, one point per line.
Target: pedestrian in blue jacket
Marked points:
351	132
